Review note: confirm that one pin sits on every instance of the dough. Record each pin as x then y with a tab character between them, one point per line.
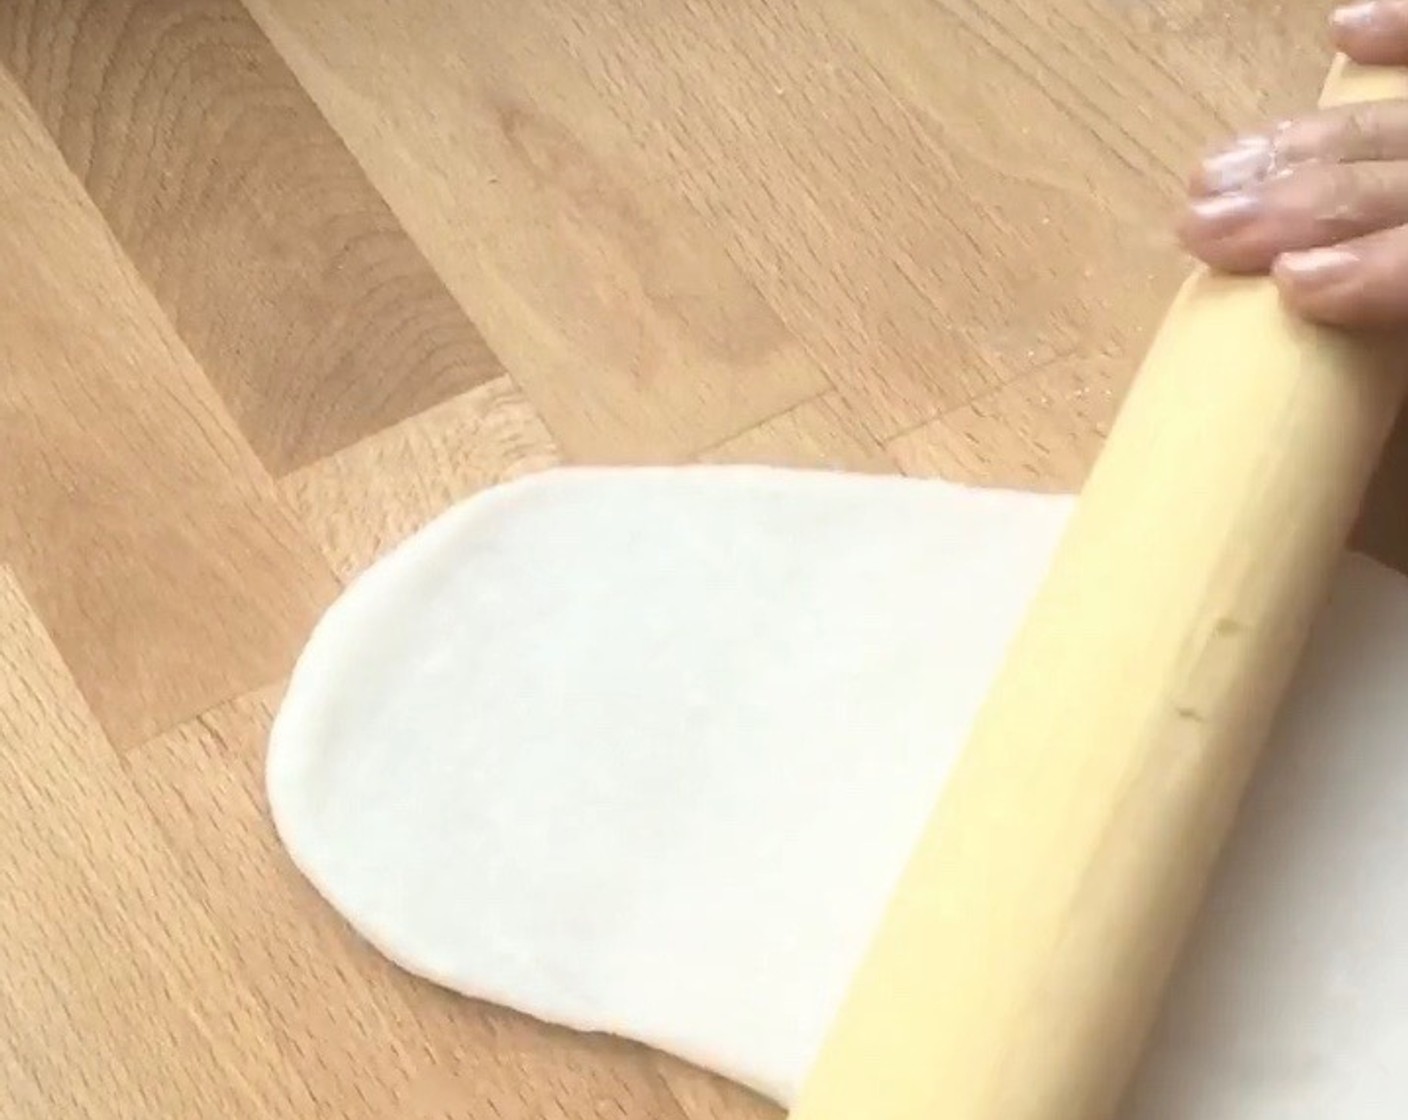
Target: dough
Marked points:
643	750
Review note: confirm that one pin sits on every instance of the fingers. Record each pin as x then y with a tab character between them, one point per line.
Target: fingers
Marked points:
1317	205
1368	132
1321	201
1374	32
1358	283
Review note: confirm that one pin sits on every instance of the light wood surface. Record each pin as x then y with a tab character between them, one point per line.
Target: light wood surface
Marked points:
280	280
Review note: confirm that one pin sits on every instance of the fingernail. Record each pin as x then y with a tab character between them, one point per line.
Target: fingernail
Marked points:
1224	213
1316	268
1354	17
1246	161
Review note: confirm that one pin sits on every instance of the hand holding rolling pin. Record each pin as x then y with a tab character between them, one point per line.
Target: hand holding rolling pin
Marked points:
1320	201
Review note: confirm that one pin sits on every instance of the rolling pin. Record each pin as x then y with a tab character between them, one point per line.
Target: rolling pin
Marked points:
1023	957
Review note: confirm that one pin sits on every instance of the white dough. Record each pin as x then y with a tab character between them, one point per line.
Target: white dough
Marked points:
642	751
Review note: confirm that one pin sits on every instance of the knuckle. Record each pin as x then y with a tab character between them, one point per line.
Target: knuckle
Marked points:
1374	130
1342	186
1344	200
1362	132
1331	199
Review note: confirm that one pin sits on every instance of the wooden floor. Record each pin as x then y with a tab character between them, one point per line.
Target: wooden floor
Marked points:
280	280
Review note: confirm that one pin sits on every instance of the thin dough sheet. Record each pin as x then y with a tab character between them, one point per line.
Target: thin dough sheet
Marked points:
642	751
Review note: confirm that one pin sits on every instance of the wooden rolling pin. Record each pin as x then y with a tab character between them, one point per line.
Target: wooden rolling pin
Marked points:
1024	955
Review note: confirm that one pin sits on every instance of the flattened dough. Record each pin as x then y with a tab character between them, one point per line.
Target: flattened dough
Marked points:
642	751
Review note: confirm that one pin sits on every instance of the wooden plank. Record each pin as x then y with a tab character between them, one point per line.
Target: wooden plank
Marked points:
706	1096
924	246
620	314
1039	433
1075	122
938	197
1046	114
824	432
284	272
360	503
141	525
118	995
368	1039
850	215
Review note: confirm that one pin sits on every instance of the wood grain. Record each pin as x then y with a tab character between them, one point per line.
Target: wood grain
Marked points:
1040	432
866	200
136	517
281	268
621	315
823	432
99	939
280	280
364	500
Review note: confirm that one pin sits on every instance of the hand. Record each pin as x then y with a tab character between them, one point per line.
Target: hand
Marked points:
1321	202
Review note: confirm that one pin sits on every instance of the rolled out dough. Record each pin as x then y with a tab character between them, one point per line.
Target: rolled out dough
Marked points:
643	751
